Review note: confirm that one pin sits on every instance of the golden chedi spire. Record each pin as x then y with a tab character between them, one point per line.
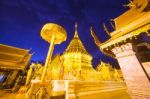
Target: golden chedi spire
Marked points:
77	61
76	45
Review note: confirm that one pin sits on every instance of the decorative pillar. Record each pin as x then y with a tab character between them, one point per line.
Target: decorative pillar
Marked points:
135	78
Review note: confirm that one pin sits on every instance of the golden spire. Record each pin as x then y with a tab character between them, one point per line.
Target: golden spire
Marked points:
76	44
76	30
96	40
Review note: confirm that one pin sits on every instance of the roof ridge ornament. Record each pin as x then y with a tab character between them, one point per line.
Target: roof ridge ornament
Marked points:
111	23
96	40
131	4
106	29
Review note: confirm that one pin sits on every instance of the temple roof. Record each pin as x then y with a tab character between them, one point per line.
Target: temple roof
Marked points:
137	22
76	45
13	58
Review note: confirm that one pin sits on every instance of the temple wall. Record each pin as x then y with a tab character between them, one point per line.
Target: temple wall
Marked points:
146	66
135	78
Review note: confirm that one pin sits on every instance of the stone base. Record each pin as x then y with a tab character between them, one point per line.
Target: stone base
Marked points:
39	90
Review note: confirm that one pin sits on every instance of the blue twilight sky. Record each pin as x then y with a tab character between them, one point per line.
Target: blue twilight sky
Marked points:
22	20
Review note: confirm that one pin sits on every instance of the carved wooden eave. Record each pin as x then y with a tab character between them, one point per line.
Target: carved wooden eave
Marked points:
16	66
127	32
121	37
13	58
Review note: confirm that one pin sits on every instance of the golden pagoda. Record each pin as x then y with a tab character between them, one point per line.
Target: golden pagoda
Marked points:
107	72
77	61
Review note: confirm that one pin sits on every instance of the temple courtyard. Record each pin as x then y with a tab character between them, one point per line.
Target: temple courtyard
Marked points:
78	90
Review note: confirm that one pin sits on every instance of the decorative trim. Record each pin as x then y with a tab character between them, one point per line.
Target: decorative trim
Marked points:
122	38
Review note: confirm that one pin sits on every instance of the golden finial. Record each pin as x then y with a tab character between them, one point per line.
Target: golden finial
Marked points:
76	30
76	26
